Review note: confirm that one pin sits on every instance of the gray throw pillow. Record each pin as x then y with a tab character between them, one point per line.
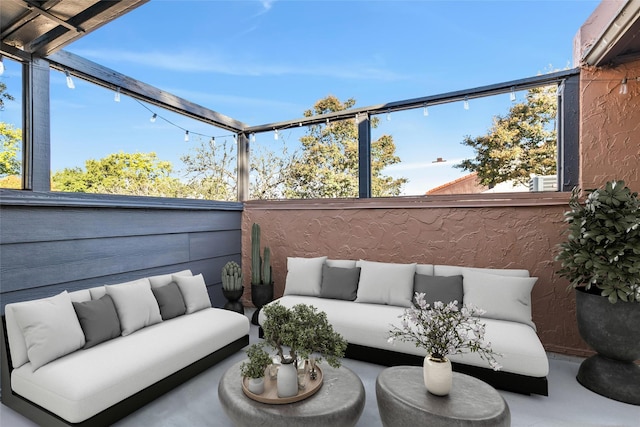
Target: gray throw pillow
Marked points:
170	301
439	288
98	319
339	283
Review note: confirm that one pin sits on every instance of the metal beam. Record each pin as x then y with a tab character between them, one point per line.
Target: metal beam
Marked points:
36	157
243	167
569	134
105	77
364	156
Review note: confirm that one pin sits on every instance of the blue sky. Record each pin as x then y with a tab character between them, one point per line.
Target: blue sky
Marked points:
268	61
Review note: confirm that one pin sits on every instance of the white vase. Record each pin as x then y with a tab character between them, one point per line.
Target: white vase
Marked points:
437	375
287	382
256	385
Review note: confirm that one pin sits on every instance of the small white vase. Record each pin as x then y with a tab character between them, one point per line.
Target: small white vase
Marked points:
287	382
256	385
437	375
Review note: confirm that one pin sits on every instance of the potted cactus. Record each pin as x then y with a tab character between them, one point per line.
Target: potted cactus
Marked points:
261	281
232	287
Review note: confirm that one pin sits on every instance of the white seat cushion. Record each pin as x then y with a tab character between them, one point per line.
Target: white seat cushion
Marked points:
86	382
369	324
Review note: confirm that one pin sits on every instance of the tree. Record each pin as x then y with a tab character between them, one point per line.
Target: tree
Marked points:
211	168
11	145
328	164
137	174
519	144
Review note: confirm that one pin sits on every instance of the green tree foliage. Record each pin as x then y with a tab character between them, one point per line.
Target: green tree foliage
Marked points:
328	164
211	168
519	144
138	174
10	148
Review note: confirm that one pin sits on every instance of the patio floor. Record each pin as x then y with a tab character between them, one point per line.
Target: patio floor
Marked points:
568	404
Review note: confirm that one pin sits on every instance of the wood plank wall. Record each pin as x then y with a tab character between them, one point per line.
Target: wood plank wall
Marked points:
46	248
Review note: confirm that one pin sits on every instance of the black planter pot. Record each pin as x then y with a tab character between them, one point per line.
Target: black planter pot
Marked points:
233	298
260	296
613	330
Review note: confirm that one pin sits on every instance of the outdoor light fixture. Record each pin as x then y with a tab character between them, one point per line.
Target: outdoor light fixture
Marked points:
186	136
70	84
388	115
623	87
512	95
275	134
425	110
116	97
1	66
212	141
466	103
153	118
253	137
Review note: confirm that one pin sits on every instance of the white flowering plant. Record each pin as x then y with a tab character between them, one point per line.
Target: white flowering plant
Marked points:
602	250
444	330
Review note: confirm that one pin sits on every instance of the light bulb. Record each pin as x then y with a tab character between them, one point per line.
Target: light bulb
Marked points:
623	87
70	84
212	141
116	97
388	115
253	137
153	118
512	95
425	110
275	134
186	136
1	66
466	103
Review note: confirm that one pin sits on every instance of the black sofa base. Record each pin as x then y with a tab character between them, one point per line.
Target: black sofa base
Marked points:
499	379
118	411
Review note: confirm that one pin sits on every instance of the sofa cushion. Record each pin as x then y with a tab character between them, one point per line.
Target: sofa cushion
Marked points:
98	292
164	279
439	288
453	270
135	304
386	283
80	296
339	283
502	297
170	300
50	328
194	292
98	319
304	276
342	263
99	379
426	269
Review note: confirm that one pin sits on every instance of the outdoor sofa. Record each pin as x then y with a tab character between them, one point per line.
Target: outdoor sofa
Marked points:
362	299
93	356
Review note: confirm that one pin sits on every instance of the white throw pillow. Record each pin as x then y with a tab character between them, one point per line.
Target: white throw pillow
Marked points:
135	304
341	263
304	276
164	279
50	328
194	292
502	297
386	283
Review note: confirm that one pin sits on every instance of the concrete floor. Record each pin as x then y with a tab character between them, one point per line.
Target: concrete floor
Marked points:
568	404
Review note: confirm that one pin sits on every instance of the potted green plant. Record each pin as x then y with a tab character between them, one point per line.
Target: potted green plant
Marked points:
306	332
601	258
254	368
232	287
261	281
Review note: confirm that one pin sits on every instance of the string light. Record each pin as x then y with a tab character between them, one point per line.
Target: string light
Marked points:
512	95
466	103
252	138
153	118
186	136
623	87
1	66
70	84
425	110
275	134
116	97
388	115
212	141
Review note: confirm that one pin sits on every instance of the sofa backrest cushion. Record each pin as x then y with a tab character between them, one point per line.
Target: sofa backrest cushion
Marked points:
98	319
342	263
165	279
439	288
194	292
80	296
453	270
304	276
502	297
339	283
386	283
98	292
135	304
49	327
426	269
170	301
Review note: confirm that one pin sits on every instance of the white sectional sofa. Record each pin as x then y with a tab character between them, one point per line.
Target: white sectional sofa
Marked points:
363	299
91	357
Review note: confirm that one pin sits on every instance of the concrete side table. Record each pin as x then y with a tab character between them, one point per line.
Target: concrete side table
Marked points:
339	402
403	400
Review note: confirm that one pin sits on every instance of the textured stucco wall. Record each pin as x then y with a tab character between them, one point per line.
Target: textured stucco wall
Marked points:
610	126
499	237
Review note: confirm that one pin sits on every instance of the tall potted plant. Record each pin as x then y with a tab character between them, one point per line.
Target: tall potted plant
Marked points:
601	258
261	281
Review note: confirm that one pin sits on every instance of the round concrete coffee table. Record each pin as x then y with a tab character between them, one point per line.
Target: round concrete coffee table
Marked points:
339	402
403	400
